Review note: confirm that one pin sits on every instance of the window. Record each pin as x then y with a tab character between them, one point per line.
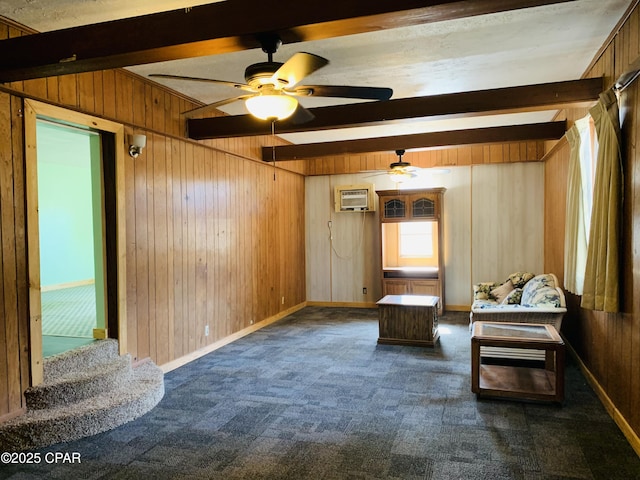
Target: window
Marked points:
415	240
410	244
581	173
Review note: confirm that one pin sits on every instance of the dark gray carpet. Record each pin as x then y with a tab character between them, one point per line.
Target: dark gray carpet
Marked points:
314	397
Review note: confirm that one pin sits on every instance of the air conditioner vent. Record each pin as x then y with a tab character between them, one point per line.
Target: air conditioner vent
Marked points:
354	198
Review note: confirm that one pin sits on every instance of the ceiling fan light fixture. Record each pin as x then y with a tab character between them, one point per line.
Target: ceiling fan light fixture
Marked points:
397	176
271	105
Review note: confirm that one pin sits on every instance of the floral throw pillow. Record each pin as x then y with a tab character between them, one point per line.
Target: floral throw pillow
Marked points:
482	291
518	279
513	298
543	297
530	290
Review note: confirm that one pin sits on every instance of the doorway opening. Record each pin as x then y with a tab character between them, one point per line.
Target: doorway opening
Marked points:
75	225
70	222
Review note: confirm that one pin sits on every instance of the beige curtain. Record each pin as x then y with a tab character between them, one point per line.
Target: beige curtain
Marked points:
601	291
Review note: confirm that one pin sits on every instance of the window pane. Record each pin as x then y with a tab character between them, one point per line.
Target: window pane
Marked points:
416	239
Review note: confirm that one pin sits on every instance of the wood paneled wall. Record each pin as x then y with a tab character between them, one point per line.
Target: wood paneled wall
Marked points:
507	221
212	240
14	297
493	226
607	344
215	237
445	157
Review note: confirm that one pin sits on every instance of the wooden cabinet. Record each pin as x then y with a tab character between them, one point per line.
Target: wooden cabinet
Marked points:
415	205
408	320
411	275
399	286
425	287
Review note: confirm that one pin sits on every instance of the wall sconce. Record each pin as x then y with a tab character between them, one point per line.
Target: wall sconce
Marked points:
136	144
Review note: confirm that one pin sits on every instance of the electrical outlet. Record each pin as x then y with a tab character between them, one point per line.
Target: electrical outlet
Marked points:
364	290
283	300
206	330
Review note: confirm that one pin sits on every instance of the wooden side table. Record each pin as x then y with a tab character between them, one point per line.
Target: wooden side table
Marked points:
408	320
518	382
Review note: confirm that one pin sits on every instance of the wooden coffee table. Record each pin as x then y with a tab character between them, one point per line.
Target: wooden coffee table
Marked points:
518	382
408	320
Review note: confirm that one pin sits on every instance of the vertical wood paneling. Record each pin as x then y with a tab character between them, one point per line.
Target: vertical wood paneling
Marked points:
132	252
608	344
85	92
632	272
507	220
555	178
177	279
22	284
211	239
9	259
6	235
109	93
448	157
67	90
141	286
161	252
98	97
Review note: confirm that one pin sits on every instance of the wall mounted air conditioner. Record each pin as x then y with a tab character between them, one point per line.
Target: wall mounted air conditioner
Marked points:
354	198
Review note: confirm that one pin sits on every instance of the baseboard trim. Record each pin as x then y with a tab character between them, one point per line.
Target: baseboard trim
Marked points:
190	357
457	308
609	406
61	286
342	304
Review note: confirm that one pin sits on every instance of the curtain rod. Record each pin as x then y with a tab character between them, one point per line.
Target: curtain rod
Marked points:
622	85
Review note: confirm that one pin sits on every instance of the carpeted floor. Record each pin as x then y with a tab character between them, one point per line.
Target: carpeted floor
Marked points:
314	397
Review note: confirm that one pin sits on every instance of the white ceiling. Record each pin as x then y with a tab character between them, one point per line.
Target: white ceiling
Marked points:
528	46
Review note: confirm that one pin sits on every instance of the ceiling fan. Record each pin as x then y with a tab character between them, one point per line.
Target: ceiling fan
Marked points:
273	86
399	171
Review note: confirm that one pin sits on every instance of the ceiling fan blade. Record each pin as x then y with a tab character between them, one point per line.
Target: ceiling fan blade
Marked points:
374	174
343	91
213	106
301	115
299	66
242	86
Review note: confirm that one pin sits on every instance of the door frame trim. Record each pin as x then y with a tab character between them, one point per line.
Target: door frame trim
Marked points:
32	110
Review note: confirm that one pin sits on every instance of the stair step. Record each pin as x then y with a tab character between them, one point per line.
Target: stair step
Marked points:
76	386
80	359
90	416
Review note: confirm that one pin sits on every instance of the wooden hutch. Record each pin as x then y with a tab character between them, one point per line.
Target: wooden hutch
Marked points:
416	269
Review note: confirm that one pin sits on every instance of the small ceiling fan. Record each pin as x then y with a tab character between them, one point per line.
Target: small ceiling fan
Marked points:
273	86
399	171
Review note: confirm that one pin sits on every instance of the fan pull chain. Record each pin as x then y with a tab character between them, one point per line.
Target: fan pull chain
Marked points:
273	147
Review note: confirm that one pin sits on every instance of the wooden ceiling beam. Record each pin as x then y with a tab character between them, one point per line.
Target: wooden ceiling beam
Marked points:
525	98
515	133
219	28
